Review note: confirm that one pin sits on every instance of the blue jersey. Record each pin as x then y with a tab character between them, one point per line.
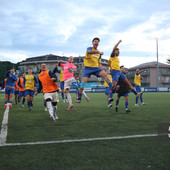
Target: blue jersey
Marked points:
11	79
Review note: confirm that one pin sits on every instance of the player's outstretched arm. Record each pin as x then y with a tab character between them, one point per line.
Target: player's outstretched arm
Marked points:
56	70
94	52
142	70
115	47
14	77
8	73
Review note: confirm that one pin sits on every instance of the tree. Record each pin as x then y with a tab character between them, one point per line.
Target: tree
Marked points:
4	67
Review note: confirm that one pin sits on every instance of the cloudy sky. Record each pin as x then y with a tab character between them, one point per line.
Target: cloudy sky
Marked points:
30	28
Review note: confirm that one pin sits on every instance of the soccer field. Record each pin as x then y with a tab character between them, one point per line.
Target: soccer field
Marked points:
87	121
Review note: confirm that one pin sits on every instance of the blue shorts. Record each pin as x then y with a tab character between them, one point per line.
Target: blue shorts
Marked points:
125	95
88	71
62	85
9	90
29	92
22	94
138	88
107	90
16	92
117	75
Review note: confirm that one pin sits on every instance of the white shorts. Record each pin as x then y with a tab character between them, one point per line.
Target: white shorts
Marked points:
53	96
68	83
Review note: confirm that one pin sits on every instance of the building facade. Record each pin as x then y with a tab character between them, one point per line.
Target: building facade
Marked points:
150	76
51	60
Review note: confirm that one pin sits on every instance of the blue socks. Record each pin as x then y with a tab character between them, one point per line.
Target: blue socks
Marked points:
136	100
45	104
141	99
126	105
110	85
23	100
111	95
117	102
62	94
80	95
29	104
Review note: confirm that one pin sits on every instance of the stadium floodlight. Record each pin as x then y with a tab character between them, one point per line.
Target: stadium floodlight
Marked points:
157	63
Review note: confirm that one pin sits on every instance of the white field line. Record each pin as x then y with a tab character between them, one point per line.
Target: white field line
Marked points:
4	127
79	140
4	130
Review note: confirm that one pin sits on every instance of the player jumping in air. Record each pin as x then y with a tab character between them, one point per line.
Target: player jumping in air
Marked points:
92	63
69	79
69	69
107	90
137	82
115	71
47	81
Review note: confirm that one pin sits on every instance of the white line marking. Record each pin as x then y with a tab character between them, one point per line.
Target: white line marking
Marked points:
4	127
79	140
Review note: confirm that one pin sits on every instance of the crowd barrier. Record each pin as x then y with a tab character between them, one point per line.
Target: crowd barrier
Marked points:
102	89
145	89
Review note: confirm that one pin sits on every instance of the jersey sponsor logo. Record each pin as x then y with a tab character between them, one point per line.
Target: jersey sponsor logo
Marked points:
83	85
94	55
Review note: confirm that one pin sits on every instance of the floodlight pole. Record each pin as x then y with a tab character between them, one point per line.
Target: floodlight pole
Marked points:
157	63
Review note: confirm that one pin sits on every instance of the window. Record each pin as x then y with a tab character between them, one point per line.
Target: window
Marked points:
167	79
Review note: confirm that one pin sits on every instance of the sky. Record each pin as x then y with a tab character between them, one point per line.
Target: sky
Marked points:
30	28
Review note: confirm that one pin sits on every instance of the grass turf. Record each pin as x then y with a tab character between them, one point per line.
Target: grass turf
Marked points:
88	120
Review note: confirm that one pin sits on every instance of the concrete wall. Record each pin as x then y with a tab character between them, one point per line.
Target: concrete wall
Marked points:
153	77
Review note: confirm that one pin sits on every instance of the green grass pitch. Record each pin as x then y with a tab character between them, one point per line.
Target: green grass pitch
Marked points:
88	120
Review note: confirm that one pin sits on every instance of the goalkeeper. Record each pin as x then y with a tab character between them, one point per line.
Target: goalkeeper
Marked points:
69	69
122	90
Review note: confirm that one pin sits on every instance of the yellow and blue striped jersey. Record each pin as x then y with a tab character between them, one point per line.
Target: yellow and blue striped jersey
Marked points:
114	62
137	79
30	82
92	60
110	78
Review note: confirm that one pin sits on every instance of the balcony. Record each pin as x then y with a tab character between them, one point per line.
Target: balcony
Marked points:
145	81
165	73
165	82
145	73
